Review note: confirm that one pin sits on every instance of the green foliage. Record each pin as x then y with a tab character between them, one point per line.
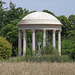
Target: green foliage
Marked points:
5	30
72	53
5	48
48	58
29	52
66	45
39	38
49	12
49	49
1	3
71	18
2	14
12	5
11	34
66	25
29	39
49	37
44	58
72	35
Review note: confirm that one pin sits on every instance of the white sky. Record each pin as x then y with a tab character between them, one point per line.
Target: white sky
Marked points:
58	7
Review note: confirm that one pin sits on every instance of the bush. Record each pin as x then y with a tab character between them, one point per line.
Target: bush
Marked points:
48	58
72	54
5	48
66	46
44	58
28	52
49	49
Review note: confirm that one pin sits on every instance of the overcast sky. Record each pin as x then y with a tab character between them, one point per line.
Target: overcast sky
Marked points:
58	7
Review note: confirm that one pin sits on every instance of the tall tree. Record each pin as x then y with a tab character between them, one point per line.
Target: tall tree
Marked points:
71	18
13	13
66	25
2	14
10	32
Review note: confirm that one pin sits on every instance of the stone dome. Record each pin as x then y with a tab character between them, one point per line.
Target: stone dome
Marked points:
39	18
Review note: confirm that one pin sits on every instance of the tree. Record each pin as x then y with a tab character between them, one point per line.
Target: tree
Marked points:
19	11
72	31
66	25
12	36
11	33
10	30
13	13
49	12
2	14
71	18
12	5
72	34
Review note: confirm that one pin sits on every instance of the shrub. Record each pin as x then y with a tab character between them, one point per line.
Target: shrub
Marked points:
49	49
28	52
44	58
72	54
48	58
66	46
5	48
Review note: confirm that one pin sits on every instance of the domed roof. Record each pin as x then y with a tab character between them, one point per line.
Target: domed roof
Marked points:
39	18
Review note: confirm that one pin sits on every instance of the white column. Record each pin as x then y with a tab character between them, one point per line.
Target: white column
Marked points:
59	42
33	40
44	38
24	42
54	41
19	43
